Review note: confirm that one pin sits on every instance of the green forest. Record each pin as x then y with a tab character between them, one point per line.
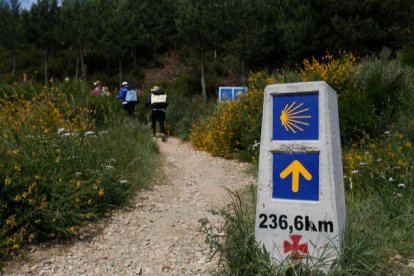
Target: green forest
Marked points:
219	40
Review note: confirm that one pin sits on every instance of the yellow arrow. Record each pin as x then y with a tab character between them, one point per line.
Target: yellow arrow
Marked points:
295	168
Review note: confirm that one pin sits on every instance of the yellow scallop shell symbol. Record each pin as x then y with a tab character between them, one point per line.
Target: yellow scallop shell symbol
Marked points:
293	117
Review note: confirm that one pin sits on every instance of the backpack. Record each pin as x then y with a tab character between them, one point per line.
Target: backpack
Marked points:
131	96
158	99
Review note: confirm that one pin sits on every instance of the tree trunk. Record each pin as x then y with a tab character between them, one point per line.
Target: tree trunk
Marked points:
203	82
14	64
82	63
243	70
77	65
107	65
120	71
135	56
46	66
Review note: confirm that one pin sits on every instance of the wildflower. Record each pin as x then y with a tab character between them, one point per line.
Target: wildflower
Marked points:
362	164
350	183
401	185
60	130
354	172
43	204
78	174
101	192
7	181
11	221
123	181
31	237
379	160
72	229
391	179
18	198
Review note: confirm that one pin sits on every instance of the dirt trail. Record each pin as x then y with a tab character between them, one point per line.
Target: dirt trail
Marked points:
160	234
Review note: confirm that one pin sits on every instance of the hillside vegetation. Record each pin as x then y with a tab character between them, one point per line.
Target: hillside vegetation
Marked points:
66	159
375	97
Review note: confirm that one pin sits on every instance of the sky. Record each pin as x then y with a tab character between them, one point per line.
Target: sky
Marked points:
26	4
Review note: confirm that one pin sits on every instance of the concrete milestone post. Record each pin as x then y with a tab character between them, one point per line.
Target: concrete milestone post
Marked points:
300	201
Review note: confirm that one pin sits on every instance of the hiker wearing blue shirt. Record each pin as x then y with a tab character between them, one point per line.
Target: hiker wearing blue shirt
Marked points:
122	92
128	97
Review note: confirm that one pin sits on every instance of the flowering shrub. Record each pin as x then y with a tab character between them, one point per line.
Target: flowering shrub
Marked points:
57	172
43	113
235	126
338	73
371	97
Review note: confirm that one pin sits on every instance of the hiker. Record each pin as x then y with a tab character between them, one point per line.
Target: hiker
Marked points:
158	103
122	94
128	97
131	99
105	91
97	89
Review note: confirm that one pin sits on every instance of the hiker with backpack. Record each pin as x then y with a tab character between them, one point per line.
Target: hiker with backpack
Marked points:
128	98
158	103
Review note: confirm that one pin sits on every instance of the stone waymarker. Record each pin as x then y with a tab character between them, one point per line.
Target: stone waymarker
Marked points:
300	201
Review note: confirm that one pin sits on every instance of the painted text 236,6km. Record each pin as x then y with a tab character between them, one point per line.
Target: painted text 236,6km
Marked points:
299	223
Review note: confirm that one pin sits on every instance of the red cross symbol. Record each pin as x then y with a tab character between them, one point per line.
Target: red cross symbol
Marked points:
295	247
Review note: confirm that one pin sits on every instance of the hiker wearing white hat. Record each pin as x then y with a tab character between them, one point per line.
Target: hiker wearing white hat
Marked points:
158	103
122	92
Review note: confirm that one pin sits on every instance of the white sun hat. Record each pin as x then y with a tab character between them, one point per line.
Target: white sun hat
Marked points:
155	88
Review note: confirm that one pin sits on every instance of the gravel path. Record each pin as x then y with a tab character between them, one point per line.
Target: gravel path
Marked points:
160	234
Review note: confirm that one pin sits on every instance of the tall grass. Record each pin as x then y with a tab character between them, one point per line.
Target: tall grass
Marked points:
379	227
234	241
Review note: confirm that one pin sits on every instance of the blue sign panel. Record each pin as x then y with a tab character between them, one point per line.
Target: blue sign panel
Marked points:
296	176
295	117
226	94
231	93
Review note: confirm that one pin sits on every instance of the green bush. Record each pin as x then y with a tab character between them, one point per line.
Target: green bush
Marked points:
381	88
406	56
